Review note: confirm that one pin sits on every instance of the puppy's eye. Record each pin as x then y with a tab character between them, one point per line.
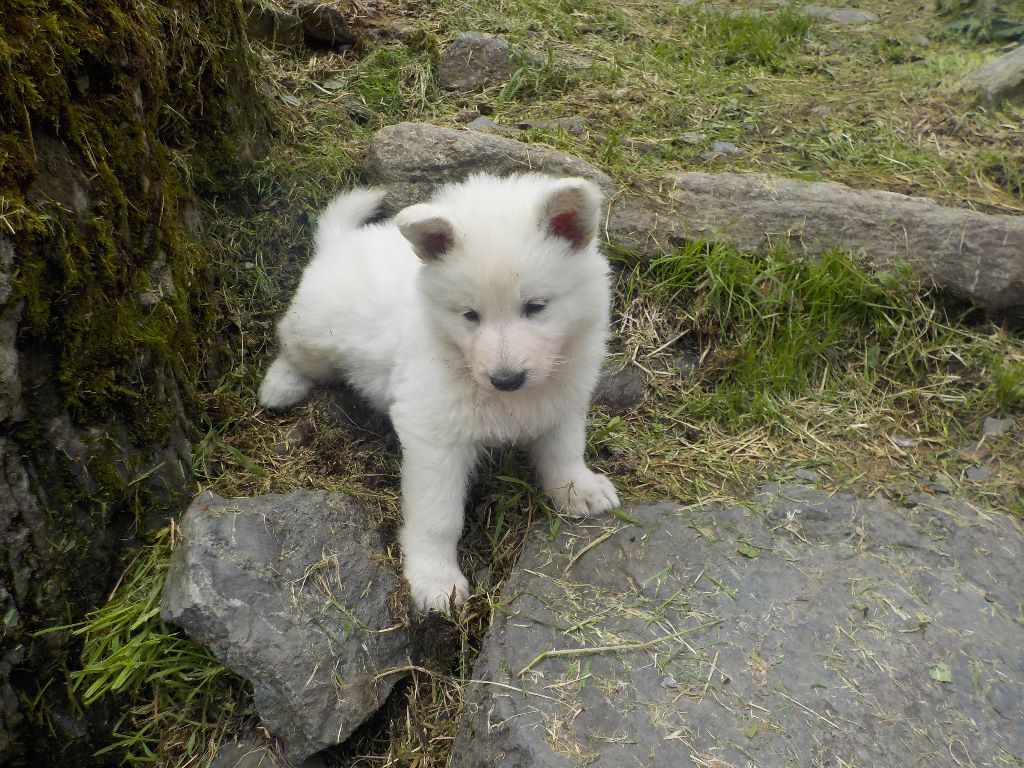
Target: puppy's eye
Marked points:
536	306
471	315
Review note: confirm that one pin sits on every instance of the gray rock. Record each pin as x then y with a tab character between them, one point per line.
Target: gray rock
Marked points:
838	630
486	125
979	474
412	159
621	389
161	284
577	126
993	427
852	16
10	316
289	592
807	475
474	61
998	79
323	24
937	485
466	116
272	24
298	436
308	21
6	267
254	751
973	255
640	146
719	150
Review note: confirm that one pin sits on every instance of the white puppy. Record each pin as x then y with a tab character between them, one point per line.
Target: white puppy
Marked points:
476	320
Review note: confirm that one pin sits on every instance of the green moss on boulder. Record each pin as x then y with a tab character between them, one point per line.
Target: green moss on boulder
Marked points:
111	114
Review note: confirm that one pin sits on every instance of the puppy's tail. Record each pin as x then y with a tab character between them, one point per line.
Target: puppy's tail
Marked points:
346	212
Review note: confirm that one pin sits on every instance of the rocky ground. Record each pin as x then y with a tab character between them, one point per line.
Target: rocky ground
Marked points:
726	616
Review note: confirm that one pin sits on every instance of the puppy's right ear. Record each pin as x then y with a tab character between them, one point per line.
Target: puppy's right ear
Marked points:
429	233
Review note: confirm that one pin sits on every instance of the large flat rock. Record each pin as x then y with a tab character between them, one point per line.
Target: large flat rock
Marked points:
976	256
805	630
290	592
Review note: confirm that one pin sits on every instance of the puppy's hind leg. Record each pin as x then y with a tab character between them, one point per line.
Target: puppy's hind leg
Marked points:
284	385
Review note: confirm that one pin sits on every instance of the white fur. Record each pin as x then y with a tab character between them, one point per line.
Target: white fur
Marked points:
386	313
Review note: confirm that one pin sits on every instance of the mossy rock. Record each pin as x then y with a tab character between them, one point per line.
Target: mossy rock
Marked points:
111	118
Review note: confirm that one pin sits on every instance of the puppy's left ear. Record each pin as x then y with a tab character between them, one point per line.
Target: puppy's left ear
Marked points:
572	211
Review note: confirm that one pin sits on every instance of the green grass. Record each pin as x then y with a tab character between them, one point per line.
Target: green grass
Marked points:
182	697
746	39
795	324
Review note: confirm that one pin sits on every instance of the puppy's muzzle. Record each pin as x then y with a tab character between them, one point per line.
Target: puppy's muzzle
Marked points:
507	381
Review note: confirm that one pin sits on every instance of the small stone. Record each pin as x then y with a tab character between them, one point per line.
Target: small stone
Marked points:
1005	701
467	116
998	79
906	442
822	110
807	475
486	125
324	25
685	363
474	61
719	150
641	146
937	485
298	437
272	24
920	39
851	16
979	474
482	578
668	682
726	148
255	751
994	427
621	389
692	137
574	125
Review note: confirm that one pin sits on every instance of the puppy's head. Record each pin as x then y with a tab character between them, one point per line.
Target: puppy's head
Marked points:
512	276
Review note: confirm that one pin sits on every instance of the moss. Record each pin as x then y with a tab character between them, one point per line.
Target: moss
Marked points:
112	114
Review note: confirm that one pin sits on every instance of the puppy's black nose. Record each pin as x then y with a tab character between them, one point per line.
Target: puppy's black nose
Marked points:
507	381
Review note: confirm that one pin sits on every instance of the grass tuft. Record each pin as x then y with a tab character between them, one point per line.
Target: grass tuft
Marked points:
748	39
183	698
795	322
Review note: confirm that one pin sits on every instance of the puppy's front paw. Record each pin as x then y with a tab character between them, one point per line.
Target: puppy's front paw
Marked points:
585	494
432	586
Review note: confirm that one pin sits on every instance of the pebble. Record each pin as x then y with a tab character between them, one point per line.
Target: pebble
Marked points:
840	15
621	389
719	150
994	427
979	474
